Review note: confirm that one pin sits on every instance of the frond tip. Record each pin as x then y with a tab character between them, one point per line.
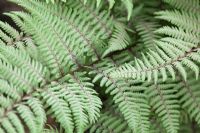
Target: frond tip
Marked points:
119	39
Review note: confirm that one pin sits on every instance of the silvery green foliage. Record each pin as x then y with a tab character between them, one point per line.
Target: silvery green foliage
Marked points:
84	66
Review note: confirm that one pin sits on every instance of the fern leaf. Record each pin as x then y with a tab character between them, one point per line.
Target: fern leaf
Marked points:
188	5
63	38
179	34
101	20
28	117
145	29
93	103
110	120
165	103
22	60
119	40
8	126
129	5
38	111
74	58
189	96
189	22
59	109
166	56
10	30
83	104
16	122
128	102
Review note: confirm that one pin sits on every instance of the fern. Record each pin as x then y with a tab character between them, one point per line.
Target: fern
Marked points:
189	96
80	66
128	4
130	104
110	121
176	51
164	102
119	40
192	6
146	29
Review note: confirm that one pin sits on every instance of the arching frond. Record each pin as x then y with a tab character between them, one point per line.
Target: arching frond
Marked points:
110	121
174	52
146	30
19	111
189	96
75	100
129	101
163	99
188	5
127	3
119	40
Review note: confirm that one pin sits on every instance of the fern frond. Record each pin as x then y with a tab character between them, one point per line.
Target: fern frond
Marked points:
22	60
187	5
71	66
20	83
86	42
130	103
153	64
39	113
169	54
145	29
163	99
179	33
144	111
20	40
59	109
129	6
127	3
189	96
18	21
77	98
16	122
102	20
110	121
93	103
27	74
28	117
189	22
16	76
30	111
119	40
10	30
52	59
128	108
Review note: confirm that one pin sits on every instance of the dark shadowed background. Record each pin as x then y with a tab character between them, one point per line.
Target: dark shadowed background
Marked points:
6	6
